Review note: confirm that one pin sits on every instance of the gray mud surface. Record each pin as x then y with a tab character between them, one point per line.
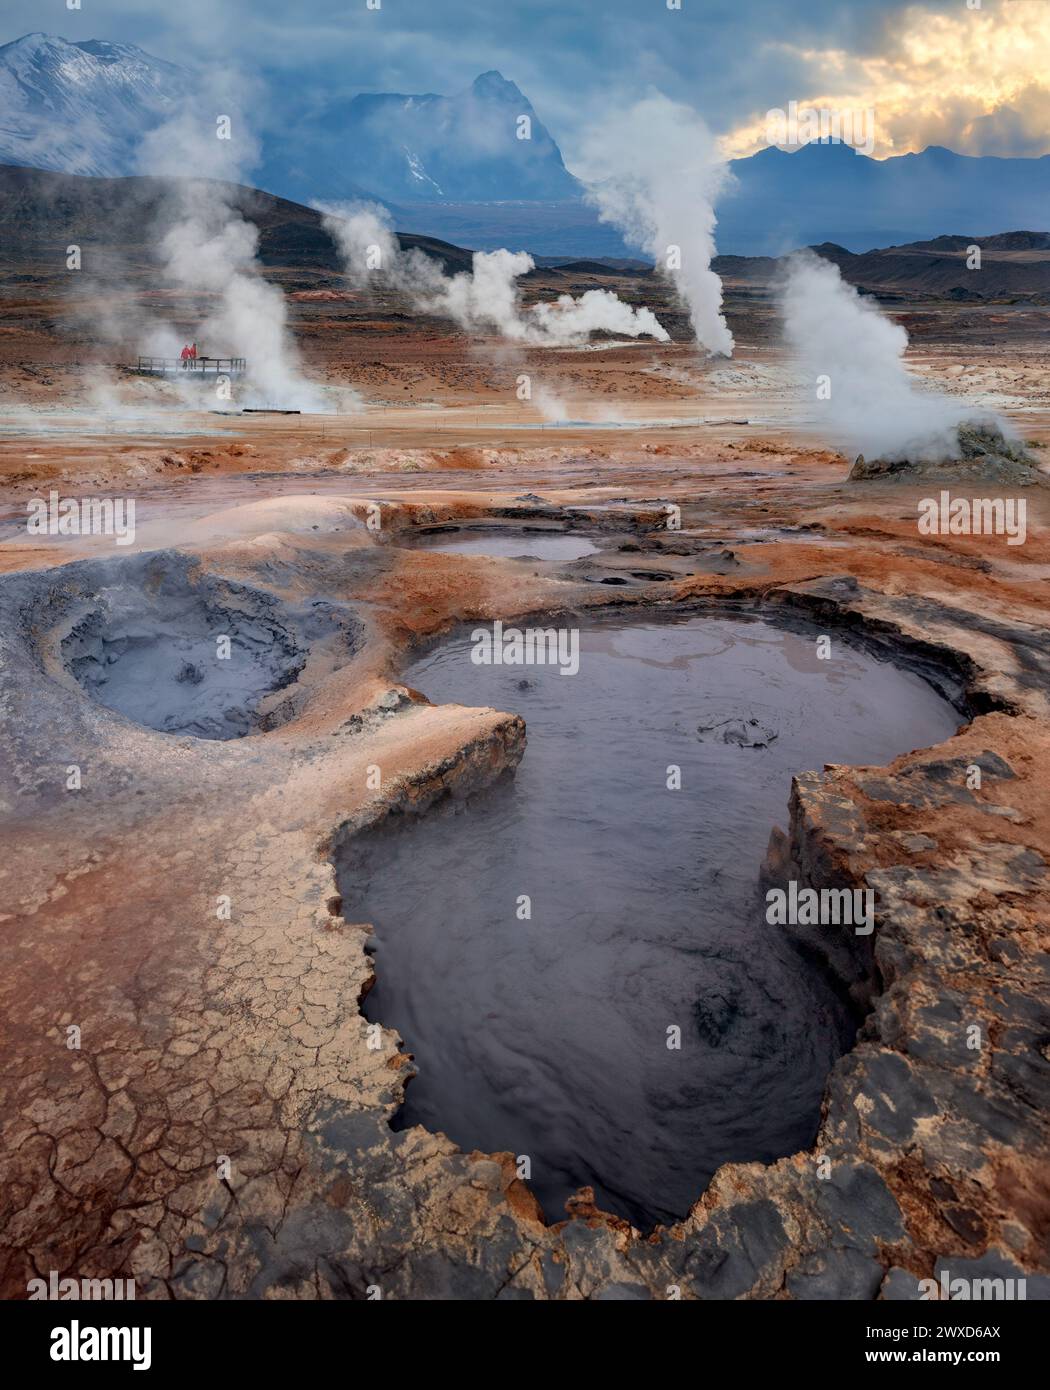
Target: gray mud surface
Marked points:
179	650
509	544
548	1036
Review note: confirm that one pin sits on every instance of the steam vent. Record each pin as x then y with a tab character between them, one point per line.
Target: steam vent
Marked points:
524	675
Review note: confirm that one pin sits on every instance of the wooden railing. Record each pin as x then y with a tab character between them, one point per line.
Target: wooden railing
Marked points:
201	366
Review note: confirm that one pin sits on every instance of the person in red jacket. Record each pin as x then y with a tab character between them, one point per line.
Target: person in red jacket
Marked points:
185	356
193	352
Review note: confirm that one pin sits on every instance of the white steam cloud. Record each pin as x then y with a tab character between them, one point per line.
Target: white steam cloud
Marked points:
873	406
654	172
208	248
364	237
487	298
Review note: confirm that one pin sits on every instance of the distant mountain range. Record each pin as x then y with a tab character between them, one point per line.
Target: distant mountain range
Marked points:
1014	266
114	221
80	108
828	192
454	167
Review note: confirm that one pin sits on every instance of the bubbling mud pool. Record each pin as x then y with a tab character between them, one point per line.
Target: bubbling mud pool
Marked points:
548	1036
509	544
184	652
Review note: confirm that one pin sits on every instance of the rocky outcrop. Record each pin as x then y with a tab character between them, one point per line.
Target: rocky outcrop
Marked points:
983	455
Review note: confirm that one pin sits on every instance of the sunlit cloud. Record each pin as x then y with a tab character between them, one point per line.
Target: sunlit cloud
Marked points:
977	81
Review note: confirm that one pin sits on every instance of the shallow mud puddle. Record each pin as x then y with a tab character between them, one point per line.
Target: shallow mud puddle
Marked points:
509	544
548	1037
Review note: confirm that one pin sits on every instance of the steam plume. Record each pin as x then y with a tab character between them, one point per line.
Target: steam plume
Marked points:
207	247
654	172
875	407
485	298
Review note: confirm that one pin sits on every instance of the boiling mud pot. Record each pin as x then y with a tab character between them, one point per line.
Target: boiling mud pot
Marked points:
548	1036
185	652
510	544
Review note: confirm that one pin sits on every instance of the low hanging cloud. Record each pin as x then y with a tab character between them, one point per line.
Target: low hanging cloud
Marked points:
654	171
853	357
485	299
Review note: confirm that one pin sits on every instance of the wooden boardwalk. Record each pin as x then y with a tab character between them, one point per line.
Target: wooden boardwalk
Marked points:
193	366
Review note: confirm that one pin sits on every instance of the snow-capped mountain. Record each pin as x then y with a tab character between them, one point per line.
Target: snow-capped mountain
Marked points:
428	148
81	108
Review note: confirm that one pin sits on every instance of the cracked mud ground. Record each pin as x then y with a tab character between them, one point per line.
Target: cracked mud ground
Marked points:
204	1037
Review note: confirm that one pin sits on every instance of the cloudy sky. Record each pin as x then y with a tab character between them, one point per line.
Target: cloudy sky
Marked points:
973	75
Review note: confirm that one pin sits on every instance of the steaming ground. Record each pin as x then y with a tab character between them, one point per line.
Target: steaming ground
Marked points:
484	299
206	782
853	355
